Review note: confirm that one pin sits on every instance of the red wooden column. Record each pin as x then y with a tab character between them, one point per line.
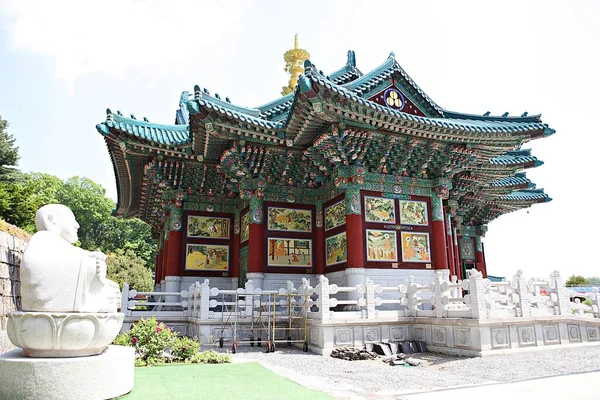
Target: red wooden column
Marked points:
256	242
173	267
319	243
438	231
449	246
354	229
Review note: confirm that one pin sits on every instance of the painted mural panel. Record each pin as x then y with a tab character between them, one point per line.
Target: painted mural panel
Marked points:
381	245
381	210
206	257
413	213
245	228
286	252
335	215
208	227
415	247
289	220
335	249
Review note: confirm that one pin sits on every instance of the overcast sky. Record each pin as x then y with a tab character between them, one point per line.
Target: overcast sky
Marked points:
62	63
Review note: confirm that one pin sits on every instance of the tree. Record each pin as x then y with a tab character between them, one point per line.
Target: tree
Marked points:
126	266
9	154
594	280
91	207
576	280
130	234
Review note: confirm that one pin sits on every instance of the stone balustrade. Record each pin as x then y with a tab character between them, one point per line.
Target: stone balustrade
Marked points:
472	298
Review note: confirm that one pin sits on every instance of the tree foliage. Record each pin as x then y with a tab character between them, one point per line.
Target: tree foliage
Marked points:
91	207
575	280
126	266
594	280
9	154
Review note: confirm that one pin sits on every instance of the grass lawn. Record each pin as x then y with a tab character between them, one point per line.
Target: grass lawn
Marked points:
216	381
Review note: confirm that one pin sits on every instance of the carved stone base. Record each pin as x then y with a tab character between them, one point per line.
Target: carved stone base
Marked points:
63	334
103	376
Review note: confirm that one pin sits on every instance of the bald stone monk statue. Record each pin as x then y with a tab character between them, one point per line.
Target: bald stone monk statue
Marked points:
59	277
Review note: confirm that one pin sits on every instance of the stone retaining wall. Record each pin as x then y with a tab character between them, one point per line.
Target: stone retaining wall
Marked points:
11	253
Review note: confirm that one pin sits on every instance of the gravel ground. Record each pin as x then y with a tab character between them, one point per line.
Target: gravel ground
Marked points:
375	379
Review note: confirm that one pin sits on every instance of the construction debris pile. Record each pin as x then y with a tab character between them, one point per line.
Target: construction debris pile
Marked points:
393	353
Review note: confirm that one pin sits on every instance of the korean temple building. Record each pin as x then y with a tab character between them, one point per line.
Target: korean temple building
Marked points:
349	174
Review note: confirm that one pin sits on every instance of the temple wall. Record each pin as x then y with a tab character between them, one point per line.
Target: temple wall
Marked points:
11	253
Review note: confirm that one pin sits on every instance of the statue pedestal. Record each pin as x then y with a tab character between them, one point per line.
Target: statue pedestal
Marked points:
45	334
104	376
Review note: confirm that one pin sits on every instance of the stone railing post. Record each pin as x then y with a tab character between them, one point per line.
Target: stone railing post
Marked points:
305	292
411	297
125	300
322	290
370	289
441	294
204	299
521	288
475	300
559	294
250	291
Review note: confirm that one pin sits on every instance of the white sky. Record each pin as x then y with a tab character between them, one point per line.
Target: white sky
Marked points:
62	63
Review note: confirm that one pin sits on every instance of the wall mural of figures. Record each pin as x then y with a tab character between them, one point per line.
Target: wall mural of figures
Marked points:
415	247
287	252
207	257
381	245
245	227
208	227
380	210
289	219
335	215
413	213
335	249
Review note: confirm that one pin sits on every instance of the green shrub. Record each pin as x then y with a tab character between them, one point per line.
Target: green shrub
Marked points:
185	348
150	338
211	357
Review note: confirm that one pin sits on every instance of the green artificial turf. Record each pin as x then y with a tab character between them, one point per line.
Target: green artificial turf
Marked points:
216	381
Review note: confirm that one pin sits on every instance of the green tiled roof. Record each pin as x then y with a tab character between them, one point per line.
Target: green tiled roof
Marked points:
171	135
517	157
517	179
537	195
465	125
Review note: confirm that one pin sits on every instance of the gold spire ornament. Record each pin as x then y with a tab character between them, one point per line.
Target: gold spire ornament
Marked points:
294	64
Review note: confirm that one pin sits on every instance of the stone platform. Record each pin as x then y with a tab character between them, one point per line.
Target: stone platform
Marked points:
103	376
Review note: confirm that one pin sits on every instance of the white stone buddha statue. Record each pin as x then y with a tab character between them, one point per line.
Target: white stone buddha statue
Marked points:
59	277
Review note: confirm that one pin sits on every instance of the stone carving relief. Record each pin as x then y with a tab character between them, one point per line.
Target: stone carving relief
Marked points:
526	335
398	333
419	333
550	334
574	333
439	335
314	336
462	337
371	335
592	333
343	336
500	337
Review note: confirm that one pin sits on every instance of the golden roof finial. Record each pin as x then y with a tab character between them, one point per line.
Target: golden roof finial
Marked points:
294	64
